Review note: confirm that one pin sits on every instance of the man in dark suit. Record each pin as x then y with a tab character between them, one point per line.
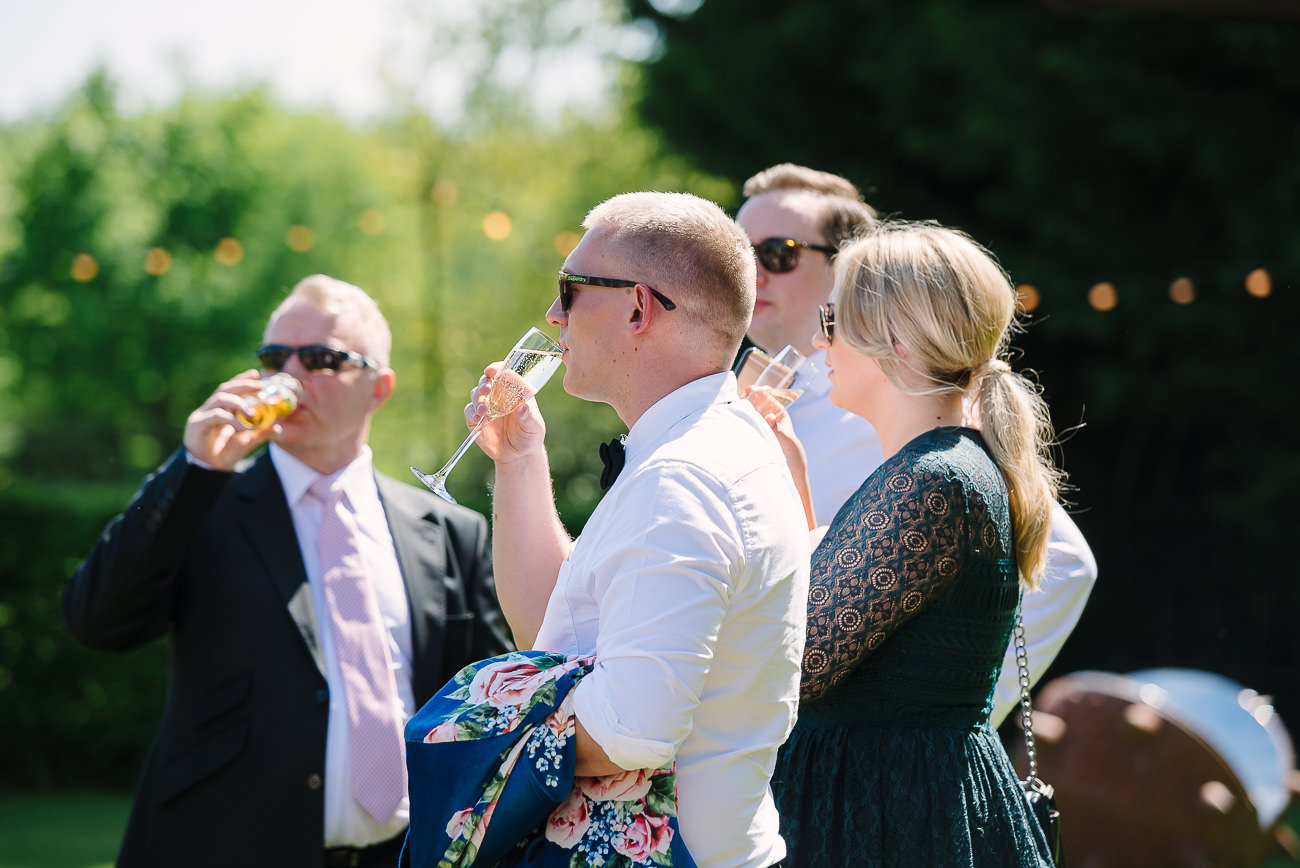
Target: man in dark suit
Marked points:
259	759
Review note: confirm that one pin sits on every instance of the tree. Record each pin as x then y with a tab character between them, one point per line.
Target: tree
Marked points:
1116	148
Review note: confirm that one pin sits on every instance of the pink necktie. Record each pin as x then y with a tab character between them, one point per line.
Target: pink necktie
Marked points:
361	643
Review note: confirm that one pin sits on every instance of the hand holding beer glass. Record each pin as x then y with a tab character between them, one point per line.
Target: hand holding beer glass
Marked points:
529	365
240	414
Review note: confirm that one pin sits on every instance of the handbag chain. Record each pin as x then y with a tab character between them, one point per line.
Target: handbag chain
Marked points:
1026	707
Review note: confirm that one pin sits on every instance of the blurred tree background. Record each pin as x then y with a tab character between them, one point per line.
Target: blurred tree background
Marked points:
1137	174
1134	172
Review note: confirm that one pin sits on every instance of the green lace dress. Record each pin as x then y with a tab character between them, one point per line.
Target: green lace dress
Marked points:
913	596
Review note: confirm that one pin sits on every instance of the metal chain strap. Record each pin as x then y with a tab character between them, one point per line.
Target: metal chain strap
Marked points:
1026	708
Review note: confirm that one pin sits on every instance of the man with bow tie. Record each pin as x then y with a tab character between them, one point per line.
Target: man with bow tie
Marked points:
688	582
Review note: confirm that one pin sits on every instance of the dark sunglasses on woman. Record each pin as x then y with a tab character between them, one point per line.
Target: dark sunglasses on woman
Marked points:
314	357
827	315
781	255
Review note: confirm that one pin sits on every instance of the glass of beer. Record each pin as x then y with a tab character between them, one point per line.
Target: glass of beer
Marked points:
277	398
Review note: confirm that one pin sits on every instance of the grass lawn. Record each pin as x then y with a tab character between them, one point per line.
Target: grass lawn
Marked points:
82	830
61	830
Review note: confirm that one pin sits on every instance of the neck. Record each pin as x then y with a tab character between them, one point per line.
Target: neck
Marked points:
637	401
909	416
326	461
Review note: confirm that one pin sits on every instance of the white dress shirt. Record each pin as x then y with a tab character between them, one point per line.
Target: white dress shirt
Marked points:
346	822
843	450
689	583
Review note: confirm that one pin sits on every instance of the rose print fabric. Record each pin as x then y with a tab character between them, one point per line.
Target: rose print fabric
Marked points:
912	598
490	760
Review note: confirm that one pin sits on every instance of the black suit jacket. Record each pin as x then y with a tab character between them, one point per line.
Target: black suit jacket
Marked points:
235	774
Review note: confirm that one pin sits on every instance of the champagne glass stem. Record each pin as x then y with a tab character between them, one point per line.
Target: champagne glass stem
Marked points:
437	482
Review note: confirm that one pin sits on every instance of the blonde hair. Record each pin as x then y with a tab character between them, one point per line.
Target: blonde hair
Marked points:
842	213
691	251
946	300
338	297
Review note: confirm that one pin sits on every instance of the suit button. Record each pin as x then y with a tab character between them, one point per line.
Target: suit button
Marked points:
314	782
322	695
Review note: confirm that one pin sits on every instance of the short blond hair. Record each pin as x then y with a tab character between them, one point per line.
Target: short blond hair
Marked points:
688	249
842	214
337	296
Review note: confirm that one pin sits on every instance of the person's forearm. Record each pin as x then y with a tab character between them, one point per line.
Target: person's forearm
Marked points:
529	543
590	759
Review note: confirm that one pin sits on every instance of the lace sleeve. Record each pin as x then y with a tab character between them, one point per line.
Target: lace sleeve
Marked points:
895	548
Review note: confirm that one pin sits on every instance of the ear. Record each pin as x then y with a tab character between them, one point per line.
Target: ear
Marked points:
644	311
385	380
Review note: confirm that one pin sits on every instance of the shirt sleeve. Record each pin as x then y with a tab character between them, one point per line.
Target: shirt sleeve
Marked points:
665	582
894	549
1050	613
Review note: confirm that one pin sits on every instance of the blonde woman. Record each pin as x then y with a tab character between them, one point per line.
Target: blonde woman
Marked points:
916	583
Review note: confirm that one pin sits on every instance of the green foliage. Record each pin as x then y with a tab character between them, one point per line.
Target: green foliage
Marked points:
69	830
1104	147
104	351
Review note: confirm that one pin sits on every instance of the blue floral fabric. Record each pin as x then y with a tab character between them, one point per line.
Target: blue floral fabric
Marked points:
490	760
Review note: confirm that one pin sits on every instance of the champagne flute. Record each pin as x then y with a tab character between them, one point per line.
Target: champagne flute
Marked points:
529	365
779	384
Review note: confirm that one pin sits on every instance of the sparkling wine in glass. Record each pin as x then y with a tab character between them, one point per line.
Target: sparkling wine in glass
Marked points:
781	382
527	368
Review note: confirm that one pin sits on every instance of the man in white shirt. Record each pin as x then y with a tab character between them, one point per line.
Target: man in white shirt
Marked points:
689	582
796	218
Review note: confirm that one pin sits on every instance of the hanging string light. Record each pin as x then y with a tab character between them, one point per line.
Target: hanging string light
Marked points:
1027	298
84	268
229	251
1103	297
1259	283
300	239
1182	290
496	226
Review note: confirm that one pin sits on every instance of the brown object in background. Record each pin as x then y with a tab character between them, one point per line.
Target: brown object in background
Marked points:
1135	785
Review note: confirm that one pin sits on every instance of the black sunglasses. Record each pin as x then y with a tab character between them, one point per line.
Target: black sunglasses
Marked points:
781	255
314	357
568	281
827	315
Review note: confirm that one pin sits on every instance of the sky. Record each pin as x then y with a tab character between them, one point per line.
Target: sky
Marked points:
313	53
48	47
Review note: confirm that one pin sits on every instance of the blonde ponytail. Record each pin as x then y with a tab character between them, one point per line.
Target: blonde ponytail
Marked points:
1017	427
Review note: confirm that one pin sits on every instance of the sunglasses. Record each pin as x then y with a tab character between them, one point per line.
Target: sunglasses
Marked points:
315	357
781	255
827	315
569	281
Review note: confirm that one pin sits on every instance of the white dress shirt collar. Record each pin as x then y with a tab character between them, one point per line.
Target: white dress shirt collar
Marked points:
677	405
357	478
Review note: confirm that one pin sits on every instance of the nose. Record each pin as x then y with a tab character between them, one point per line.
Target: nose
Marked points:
760	276
294	366
819	340
555	315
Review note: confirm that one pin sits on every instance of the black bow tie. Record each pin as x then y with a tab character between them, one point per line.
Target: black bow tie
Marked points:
612	456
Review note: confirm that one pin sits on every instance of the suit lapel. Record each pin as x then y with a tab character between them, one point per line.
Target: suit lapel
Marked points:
264	516
418	538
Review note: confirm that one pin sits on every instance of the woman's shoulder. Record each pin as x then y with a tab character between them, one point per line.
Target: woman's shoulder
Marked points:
950	456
